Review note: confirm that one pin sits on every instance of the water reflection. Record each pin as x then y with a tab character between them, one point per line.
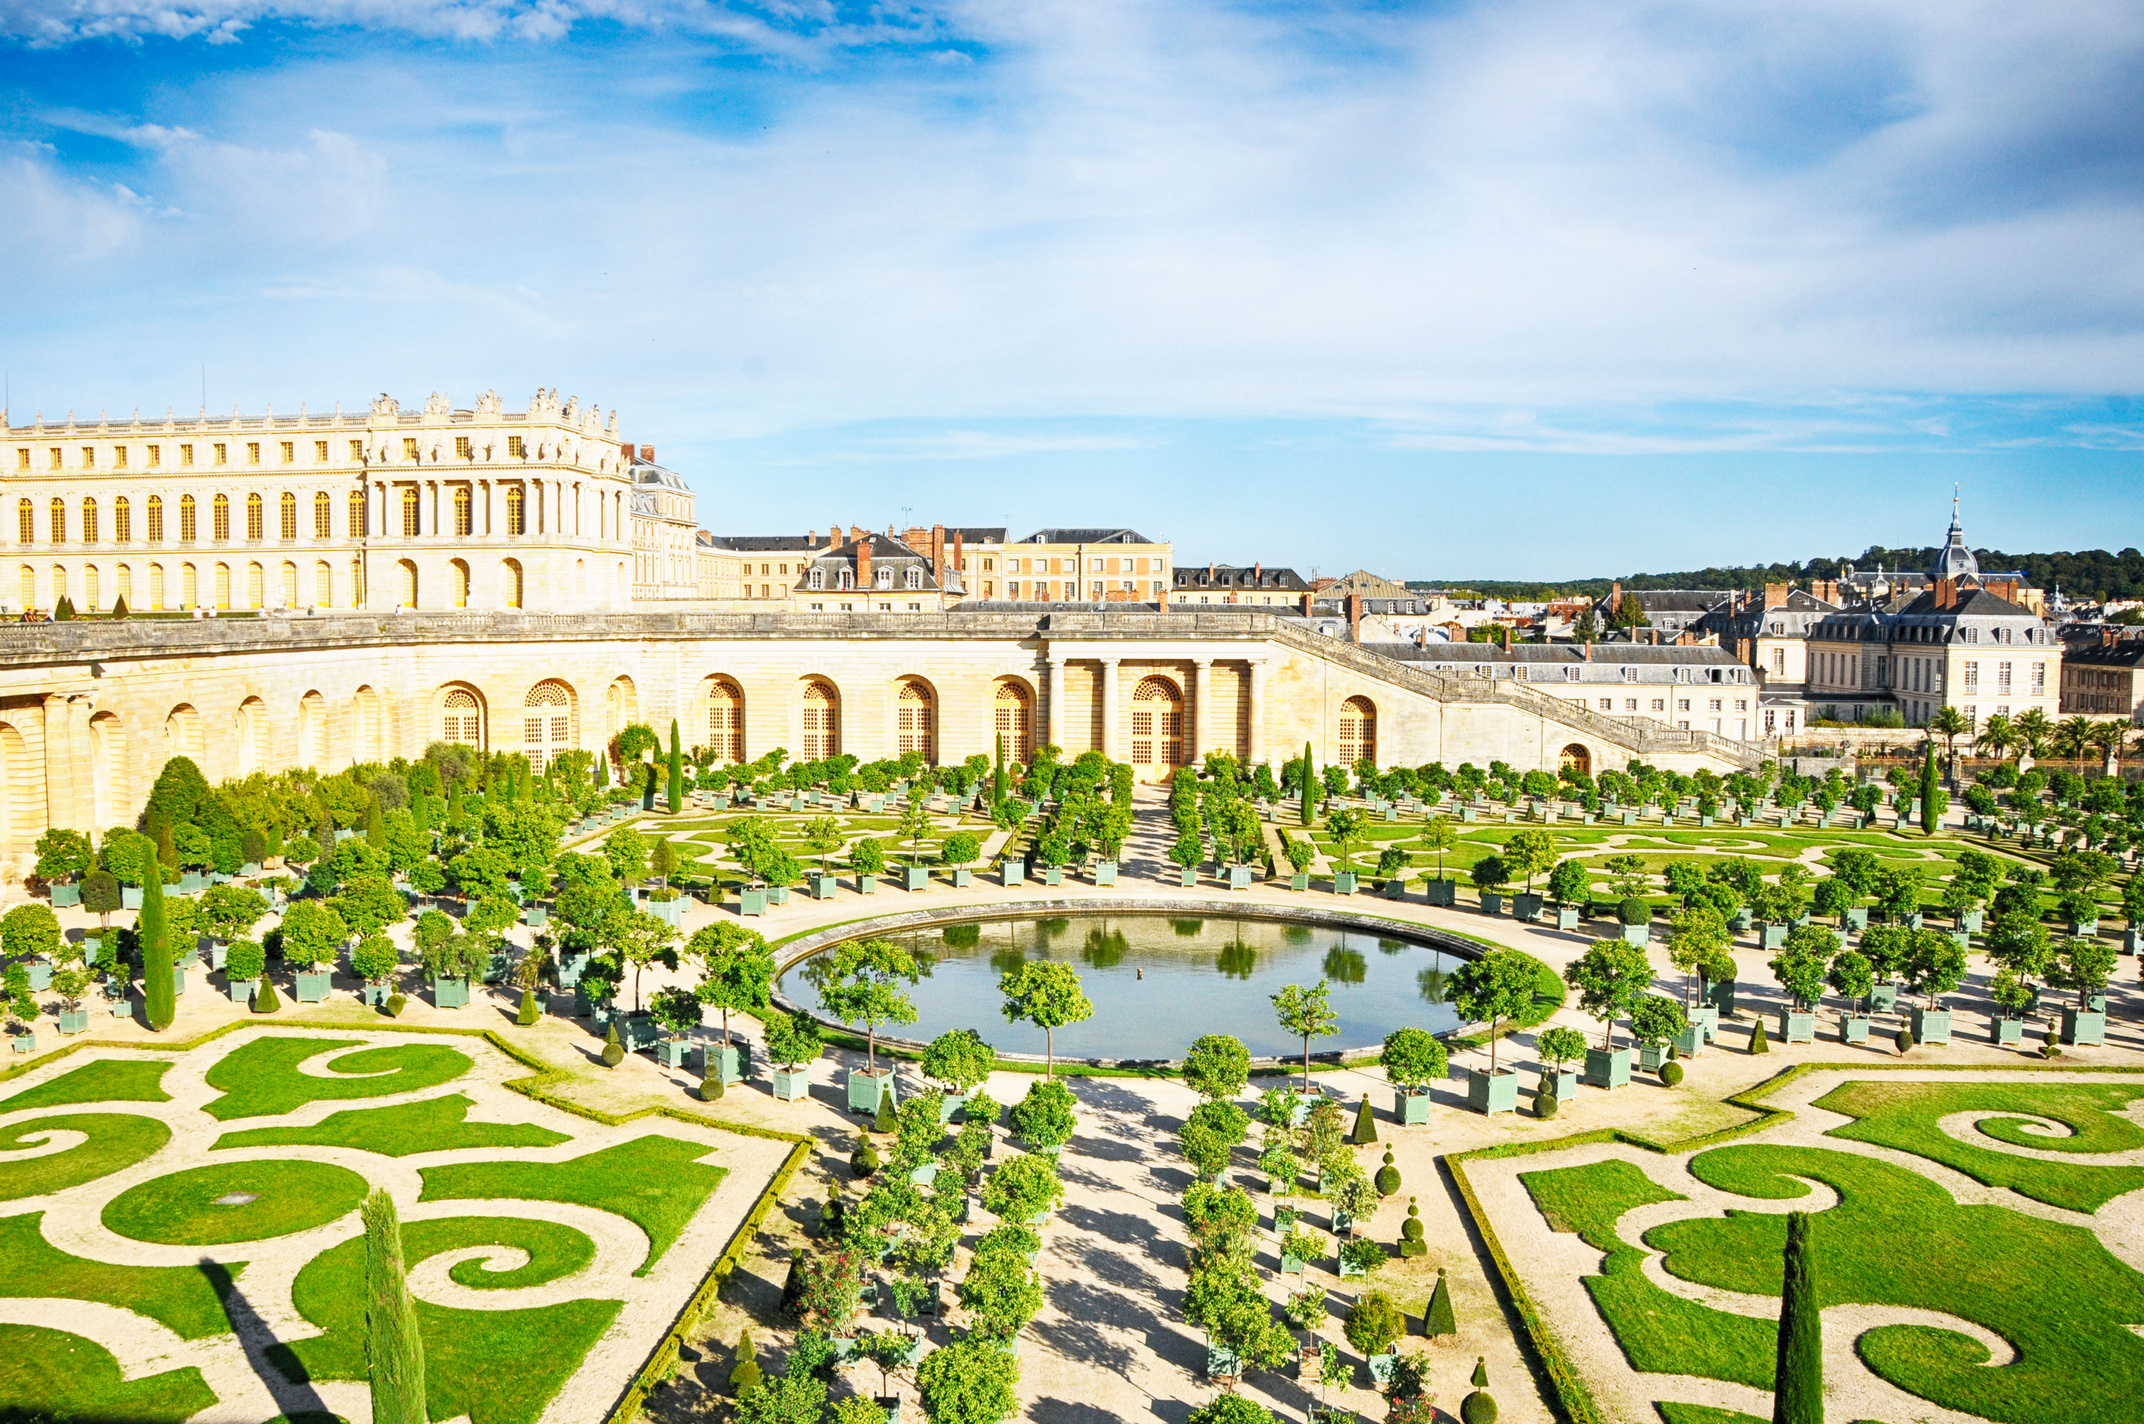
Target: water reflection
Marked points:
1157	983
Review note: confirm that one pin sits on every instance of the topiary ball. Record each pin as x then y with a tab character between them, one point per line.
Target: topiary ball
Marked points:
1634	911
1904	1040
709	1088
1477	1408
1411	1228
1387	1179
865	1162
1545	1104
1671	1073
396	1003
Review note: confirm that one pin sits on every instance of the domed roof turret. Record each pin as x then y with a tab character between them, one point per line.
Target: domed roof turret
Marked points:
1955	561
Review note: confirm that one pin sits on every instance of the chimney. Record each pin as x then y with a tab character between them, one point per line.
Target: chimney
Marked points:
811	538
627	450
960	558
863	562
1615	596
2109	636
647	454
1258	572
1946	592
1775	595
1354	617
938	552
1588	654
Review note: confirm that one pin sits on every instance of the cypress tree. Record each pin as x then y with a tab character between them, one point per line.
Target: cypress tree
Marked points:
1928	791
159	1003
393	1346
1310	787
602	771
1437	1317
119	606
677	770
454	801
375	826
167	847
997	775
1798	1390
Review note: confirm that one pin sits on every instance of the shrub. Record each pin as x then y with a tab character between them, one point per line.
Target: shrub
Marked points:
1634	911
1544	1103
1904	1040
865	1162
1758	1042
1437	1316
1365	1131
266	1002
529	1013
1217	1066
245	960
1023	1189
745	1372
1231	1409
1374	1323
1363	1252
1044	1117
613	1050
396	1003
1478	1407
1388	1177
1671	1073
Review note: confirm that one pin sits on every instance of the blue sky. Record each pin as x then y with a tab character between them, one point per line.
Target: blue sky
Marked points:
1493	290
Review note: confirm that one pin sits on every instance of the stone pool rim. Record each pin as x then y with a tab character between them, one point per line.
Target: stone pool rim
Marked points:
794	950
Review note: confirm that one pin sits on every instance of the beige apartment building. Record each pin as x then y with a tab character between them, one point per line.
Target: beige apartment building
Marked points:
1073	566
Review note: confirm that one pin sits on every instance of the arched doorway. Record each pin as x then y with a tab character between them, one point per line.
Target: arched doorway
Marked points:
1575	758
365	726
918	721
1157	724
252	736
461	718
313	731
725	720
408	570
621	706
108	766
183	735
22	793
547	724
1012	717
822	721
1358	731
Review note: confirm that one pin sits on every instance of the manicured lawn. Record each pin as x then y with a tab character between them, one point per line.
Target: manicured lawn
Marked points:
1659	1333
116	1141
427	1125
108	1080
1897	1239
181	1297
496	1366
1904	1116
182	1209
653	1182
1673	1413
262	1079
76	1381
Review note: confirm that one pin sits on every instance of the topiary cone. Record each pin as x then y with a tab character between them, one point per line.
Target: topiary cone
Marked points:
1437	1317
266	1002
1478	1407
613	1050
529	1012
884	1122
1365	1131
1387	1179
744	1372
1758	1043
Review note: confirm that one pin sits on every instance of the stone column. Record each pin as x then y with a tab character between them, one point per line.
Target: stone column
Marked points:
1201	717
1053	704
1109	709
1258	711
59	763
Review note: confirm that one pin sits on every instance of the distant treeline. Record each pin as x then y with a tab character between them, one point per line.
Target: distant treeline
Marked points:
2092	576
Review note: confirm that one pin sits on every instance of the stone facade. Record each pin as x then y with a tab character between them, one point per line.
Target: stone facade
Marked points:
89	711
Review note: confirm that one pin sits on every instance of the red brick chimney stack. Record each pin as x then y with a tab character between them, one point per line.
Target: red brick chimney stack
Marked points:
1354	617
647	454
960	558
938	552
863	562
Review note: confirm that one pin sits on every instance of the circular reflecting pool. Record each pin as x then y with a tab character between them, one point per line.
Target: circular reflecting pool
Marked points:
1158	982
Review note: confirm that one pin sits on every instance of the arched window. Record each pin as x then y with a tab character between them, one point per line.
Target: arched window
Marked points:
323	515
411	522
288	515
255	593
1358	731
223	586
510	576
252	736
155	530
356	529
123	584
90	590
29	588
25	521
459	572
1012	716
323	584
59	519
725	720
461	718
313	731
464	515
59	583
189	587
220	519
122	521
290	584
156	586
89	521
916	709
1575	758
253	518
546	723
187	527
183	734
365	719
357	583
1157	723
822	722
517	520
408	570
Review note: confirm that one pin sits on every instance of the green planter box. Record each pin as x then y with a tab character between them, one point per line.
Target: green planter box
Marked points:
376	995
1189	877
311	986
2084	928
1012	871
777	894
1491	903
1344	882
66	895
536	917
1566	917
178	979
1105	873
915	877
964	877
670	1052
1854	1028
866	884
1640	935
1706	1018
2009	1033
23	1042
2083	1028
821	885
864	1089
1239	877
450	993
40	975
1493	1092
1795	1027
1741	921
1563	1086
243	990
1652	1055
1527	907
1772	937
1931	1025
1856	918
1394	888
791	1084
1912	921
1441	892
1290	1265
729	1066
752	902
1412	1109
1607	1068
2133	941
1969	921
74	1021
1884	998
1690	1042
1300	880
1053	875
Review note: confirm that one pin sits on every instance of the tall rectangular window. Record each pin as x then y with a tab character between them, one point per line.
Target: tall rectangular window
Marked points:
1972	677
89	521
320	452
25	523
515	449
186	454
323	512
89	457
253	452
357	451
464	511
462	448
290	452
2002	677
2039	674
119	457
58	529
156	519
223	454
409	448
411	520
22	457
288	510
156	457
186	522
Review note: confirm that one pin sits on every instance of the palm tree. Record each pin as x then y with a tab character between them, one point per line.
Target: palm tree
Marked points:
1949	724
1997	735
2034	731
2106	737
2072	736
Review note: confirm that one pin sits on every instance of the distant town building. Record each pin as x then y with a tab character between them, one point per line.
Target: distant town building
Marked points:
2105	678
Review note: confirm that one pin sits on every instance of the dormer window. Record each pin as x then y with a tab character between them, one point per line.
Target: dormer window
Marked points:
848	579
915	578
818	578
885	577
